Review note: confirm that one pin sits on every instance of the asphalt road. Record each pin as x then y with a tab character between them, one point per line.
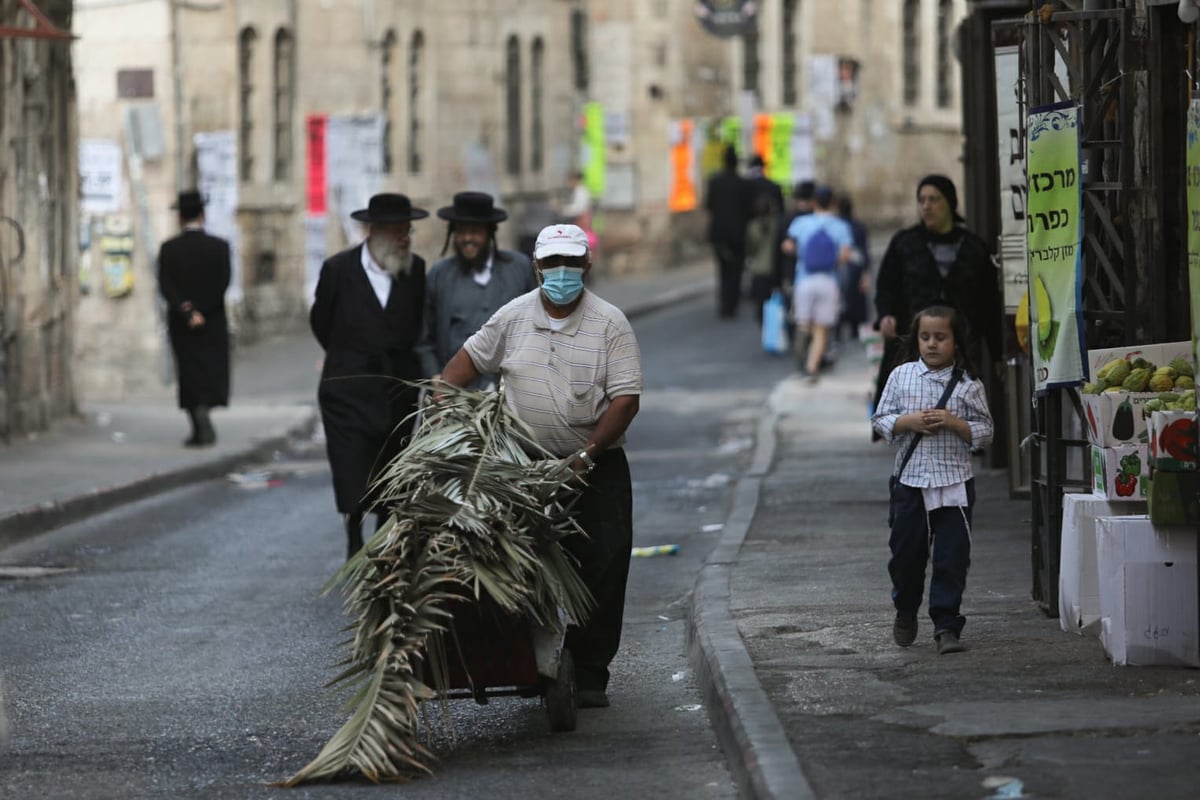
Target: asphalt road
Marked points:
184	651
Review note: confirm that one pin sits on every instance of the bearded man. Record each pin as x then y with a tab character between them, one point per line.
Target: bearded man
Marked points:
464	290
367	317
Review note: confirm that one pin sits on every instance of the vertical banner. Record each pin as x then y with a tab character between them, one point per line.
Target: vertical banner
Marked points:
1193	216
1010	136
593	157
681	195
315	181
779	155
1055	230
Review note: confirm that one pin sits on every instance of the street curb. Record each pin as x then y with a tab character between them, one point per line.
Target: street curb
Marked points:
753	738
27	522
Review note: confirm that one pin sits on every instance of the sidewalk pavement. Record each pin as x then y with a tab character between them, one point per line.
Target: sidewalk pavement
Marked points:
118	452
791	637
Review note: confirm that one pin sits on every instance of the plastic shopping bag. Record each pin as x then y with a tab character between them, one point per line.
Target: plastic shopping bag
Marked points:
774	324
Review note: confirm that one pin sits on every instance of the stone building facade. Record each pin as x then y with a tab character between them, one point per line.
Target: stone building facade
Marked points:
37	216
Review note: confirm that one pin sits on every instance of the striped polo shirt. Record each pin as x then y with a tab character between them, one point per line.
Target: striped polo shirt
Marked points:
560	376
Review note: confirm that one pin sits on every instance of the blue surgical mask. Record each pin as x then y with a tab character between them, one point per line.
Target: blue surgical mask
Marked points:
562	285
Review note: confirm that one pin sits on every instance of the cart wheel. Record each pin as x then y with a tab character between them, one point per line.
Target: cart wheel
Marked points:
560	695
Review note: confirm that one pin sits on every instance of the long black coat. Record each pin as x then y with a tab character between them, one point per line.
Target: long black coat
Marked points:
193	272
909	281
369	349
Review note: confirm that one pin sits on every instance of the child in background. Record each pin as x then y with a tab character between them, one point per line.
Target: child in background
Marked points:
935	491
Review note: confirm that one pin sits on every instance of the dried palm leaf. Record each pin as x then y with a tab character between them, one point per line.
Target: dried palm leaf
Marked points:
477	509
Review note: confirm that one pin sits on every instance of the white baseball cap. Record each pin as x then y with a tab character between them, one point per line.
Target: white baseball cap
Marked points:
560	240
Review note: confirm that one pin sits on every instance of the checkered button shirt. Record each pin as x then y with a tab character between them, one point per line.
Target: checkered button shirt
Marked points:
941	459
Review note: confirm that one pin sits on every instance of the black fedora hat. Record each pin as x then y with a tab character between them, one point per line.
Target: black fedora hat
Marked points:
387	207
189	204
473	207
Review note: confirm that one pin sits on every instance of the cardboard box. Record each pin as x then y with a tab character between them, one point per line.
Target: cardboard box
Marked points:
1158	354
1078	584
1171	439
1118	473
1172	497
1147	581
1115	418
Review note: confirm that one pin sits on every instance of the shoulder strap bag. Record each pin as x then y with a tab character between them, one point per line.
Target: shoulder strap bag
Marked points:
912	446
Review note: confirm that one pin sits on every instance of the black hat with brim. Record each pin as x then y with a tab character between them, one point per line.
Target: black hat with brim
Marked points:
388	207
475	207
189	204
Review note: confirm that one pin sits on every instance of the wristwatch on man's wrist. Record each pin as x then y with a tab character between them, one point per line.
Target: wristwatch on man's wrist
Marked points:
587	460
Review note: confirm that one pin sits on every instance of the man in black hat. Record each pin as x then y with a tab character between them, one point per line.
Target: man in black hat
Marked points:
367	317
465	289
193	273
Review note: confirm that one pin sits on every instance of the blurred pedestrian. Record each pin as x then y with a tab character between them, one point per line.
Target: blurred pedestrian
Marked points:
464	290
194	270
762	234
573	372
933	489
728	205
856	276
822	244
367	317
938	262
578	208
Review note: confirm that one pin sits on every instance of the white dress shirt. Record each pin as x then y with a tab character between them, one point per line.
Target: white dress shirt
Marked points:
380	278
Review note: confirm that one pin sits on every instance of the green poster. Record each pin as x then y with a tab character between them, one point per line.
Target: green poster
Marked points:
780	164
1055	247
593	155
1193	216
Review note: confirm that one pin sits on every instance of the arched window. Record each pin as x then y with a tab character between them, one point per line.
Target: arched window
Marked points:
787	60
387	97
945	32
285	98
537	141
416	66
512	104
911	46
246	42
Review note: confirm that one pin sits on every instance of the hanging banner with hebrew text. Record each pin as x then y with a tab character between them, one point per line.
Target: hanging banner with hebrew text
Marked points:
1055	229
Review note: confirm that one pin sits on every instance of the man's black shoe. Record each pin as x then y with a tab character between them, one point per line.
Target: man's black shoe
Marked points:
947	642
904	629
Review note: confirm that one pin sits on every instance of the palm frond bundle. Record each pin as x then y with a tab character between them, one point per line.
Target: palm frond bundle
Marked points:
478	510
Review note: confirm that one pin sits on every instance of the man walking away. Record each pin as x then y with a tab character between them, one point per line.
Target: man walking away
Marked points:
728	204
194	270
822	243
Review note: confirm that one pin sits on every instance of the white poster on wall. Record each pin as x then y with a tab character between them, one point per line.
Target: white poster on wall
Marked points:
100	177
353	165
804	160
217	168
823	92
1010	137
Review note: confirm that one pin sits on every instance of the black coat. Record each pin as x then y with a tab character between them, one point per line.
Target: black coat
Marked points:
193	273
909	281
369	350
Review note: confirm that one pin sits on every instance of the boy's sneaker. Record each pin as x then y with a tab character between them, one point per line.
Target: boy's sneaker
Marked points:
904	629
947	642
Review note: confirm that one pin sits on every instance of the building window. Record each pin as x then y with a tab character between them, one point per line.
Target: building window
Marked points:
911	46
787	60
416	65
945	31
285	96
537	140
246	43
387	97
512	103
579	49
750	65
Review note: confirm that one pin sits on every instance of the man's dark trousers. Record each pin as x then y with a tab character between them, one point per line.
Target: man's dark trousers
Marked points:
605	512
731	260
